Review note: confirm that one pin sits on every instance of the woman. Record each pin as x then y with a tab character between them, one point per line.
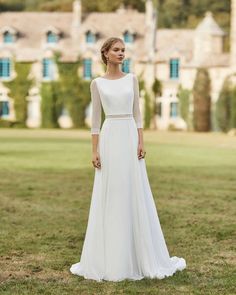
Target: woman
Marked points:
124	239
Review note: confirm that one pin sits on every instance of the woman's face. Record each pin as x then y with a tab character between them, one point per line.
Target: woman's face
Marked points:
116	53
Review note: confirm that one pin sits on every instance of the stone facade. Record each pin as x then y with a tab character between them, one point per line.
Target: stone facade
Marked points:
170	55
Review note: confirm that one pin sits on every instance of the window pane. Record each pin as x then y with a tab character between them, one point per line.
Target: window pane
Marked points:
8	37
159	109
90	37
52	37
47	68
126	65
4	67
128	37
87	68
4	108
174	68
173	109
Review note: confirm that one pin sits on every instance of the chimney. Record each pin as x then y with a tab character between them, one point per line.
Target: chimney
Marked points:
76	19
150	22
233	35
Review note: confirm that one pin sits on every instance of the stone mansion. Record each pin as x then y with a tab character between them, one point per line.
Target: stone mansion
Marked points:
170	55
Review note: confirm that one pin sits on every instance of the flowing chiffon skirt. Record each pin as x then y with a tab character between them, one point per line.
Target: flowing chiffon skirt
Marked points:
123	239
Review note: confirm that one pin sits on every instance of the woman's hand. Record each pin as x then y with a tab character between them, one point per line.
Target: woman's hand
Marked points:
141	151
96	160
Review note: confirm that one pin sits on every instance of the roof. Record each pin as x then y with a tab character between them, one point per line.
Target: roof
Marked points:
172	41
31	27
209	25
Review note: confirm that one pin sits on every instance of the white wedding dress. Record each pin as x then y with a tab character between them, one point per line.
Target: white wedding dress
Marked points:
123	239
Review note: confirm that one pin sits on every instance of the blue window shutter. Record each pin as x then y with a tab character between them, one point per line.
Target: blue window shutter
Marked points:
90	37
126	65
159	109
4	108
174	68
174	109
5	67
87	68
47	68
52	37
128	37
8	37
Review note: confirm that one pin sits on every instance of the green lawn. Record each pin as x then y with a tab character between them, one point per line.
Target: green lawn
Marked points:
46	179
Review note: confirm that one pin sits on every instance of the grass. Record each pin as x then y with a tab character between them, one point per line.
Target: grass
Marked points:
46	179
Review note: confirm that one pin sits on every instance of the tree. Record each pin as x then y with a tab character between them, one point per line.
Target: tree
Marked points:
157	90
184	101
202	101
223	106
233	109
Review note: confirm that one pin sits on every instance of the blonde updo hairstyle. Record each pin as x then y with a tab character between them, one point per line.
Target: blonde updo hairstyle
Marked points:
107	45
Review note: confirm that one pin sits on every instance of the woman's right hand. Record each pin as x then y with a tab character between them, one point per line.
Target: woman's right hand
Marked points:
96	160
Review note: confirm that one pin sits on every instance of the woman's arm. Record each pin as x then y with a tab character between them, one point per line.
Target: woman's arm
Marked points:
138	119
96	123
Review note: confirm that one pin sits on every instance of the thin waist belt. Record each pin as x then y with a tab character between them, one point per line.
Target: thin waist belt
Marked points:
120	116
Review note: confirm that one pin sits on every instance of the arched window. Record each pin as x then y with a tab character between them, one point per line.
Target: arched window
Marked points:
90	37
52	37
8	37
128	37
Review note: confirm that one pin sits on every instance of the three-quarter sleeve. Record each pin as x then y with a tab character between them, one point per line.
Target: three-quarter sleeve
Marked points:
96	108
136	106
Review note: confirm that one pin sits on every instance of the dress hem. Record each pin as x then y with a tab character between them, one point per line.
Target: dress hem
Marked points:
181	265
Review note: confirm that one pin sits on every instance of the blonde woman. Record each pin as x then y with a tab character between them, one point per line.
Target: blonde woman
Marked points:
124	239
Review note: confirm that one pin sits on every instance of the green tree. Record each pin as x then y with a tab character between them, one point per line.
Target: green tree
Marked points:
184	102
157	91
49	109
73	91
19	88
223	106
202	101
233	109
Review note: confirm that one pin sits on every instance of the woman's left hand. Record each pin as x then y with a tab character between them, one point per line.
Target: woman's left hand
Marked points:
141	151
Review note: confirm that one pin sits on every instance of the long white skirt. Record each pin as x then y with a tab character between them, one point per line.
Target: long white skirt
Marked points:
124	239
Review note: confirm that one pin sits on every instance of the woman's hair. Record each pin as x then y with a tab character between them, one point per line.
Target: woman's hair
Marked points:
107	45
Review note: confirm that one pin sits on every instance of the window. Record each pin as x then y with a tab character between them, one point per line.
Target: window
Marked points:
87	68
174	68
48	68
128	37
4	109
174	109
90	37
5	67
64	111
8	37
126	65
52	37
159	109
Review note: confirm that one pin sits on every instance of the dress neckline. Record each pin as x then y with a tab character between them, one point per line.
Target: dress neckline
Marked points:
115	79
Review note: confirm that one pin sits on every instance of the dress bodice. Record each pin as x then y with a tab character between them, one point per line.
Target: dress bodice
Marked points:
117	97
